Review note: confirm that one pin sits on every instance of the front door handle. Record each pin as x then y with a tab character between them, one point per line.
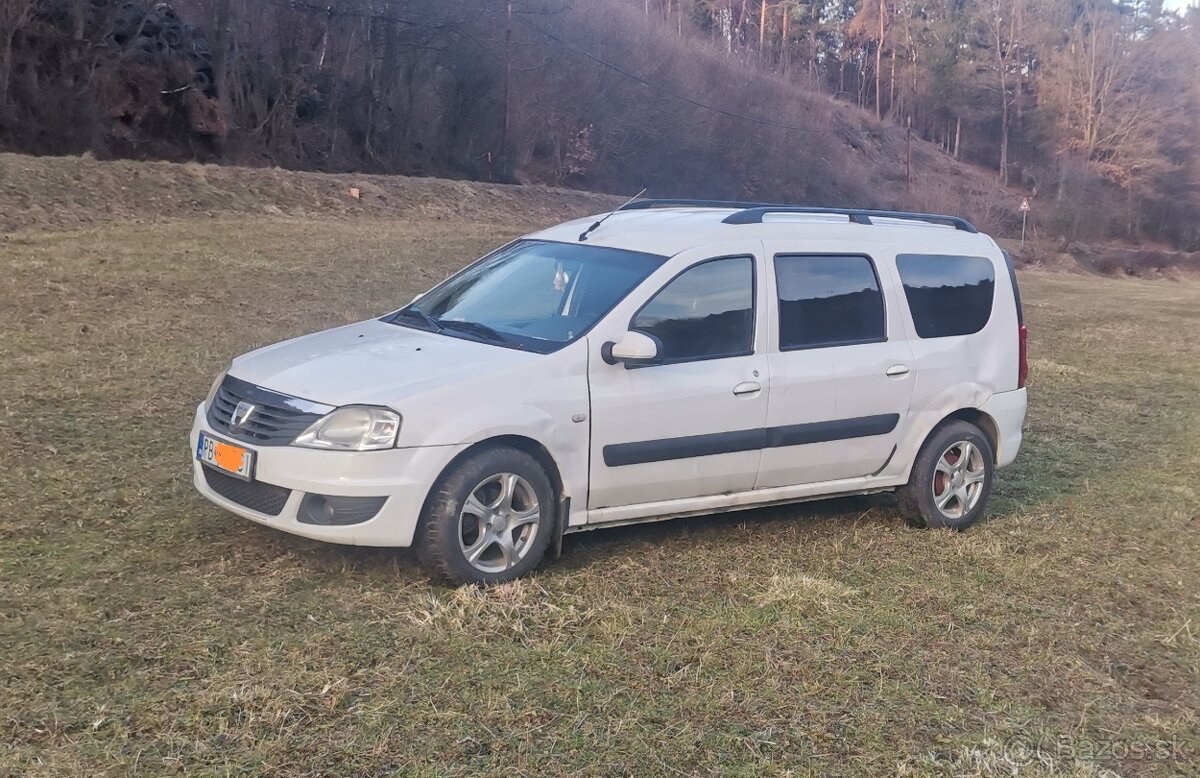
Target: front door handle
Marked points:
897	370
747	388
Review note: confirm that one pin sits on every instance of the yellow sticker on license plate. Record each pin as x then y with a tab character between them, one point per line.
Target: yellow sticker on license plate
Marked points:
230	458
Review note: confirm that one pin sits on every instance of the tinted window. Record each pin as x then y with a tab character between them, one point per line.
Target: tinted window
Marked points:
947	295
828	301
705	312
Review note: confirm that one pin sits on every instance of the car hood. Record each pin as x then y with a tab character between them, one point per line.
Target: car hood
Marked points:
371	362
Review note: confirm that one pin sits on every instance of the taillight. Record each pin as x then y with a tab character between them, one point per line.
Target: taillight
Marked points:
1022	356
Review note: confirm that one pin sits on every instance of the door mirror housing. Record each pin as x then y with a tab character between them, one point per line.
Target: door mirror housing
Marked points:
634	348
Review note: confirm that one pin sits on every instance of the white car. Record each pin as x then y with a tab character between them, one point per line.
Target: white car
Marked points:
672	358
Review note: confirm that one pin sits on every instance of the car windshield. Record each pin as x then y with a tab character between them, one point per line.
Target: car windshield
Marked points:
531	295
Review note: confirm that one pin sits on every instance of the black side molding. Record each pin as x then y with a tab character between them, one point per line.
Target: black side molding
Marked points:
666	449
825	431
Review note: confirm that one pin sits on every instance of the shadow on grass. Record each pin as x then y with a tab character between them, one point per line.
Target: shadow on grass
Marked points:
1048	469
824	520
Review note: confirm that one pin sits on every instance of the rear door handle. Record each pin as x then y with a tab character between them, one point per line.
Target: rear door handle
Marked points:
747	388
897	370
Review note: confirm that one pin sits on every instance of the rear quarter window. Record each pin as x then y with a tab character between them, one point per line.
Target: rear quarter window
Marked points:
947	294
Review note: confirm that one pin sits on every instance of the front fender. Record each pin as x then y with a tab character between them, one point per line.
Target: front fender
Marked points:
549	406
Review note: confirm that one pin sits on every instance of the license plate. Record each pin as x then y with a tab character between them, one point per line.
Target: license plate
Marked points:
226	457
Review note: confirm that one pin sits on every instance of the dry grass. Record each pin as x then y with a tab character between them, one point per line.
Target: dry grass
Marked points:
146	632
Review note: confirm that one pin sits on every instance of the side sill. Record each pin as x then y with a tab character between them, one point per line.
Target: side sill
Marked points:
645	513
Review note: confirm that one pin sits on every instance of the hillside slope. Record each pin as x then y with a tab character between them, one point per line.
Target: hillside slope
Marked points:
68	192
599	96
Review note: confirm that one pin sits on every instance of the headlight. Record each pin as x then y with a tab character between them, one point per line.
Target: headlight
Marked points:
353	428
208	401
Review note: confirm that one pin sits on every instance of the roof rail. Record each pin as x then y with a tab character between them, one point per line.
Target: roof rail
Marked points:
754	215
644	205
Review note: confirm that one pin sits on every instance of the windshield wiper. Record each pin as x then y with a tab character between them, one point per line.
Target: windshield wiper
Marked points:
431	324
482	330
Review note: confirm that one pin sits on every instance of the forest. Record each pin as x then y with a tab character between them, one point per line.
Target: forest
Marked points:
1089	107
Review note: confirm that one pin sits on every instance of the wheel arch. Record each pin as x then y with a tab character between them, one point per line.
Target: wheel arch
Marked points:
983	421
522	443
528	445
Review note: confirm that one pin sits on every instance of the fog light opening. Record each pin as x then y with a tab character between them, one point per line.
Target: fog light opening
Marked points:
331	511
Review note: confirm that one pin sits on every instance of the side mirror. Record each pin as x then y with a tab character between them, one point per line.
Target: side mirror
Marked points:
634	348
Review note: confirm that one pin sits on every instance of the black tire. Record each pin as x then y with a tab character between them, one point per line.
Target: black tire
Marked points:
918	498
445	525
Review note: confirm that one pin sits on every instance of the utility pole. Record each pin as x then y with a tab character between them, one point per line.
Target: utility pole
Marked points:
908	156
1024	209
504	176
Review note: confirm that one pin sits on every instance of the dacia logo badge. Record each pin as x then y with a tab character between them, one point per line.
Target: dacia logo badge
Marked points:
241	415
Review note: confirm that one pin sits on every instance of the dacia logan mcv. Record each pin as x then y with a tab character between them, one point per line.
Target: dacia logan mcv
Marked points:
671	358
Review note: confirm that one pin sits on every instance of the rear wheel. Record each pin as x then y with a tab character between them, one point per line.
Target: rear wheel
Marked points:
951	478
489	519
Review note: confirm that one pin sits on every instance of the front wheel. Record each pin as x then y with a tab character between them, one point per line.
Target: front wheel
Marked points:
489	519
951	479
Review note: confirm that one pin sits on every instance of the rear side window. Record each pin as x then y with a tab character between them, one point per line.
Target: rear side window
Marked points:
706	312
948	295
828	301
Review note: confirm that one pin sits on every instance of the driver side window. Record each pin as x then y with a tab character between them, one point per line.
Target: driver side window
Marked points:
706	312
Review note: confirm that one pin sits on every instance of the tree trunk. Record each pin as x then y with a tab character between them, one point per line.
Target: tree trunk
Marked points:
892	91
1003	125
6	54
220	49
783	41
1004	144
762	27
1017	13
879	59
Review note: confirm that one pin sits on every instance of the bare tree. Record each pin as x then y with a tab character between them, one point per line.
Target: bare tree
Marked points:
1099	93
999	22
14	14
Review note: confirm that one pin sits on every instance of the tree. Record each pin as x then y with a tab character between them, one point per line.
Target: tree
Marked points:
998	22
1106	97
14	15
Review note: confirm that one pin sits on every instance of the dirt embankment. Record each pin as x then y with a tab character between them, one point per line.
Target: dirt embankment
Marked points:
64	193
60	193
1152	262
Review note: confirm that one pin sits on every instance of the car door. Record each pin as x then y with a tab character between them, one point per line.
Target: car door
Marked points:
691	424
842	371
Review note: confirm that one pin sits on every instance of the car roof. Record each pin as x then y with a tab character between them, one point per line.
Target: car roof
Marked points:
670	230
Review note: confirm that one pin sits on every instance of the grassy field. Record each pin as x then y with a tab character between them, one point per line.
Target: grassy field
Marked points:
146	632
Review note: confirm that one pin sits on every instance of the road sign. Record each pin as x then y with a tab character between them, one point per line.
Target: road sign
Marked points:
1024	209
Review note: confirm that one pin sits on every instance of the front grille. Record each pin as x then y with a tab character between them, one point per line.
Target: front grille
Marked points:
275	421
267	499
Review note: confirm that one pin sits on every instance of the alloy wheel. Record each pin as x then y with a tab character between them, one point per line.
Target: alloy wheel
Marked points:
958	479
498	522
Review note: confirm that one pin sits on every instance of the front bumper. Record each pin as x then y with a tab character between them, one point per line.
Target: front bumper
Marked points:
403	475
